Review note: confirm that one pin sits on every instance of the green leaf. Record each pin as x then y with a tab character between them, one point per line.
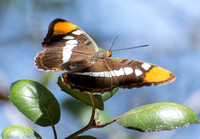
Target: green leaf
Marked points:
108	95
46	77
19	132
158	116
101	49
83	137
81	111
82	96
75	107
36	102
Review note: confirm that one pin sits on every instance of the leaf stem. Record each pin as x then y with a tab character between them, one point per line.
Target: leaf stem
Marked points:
54	131
105	124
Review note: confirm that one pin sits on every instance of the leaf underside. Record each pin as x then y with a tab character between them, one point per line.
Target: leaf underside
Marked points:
158	116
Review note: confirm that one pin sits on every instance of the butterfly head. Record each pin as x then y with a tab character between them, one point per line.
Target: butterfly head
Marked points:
103	55
109	53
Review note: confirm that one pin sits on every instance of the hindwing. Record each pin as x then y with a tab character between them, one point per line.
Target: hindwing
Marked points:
112	72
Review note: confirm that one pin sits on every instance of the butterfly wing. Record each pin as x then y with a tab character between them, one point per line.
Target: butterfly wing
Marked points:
113	72
66	47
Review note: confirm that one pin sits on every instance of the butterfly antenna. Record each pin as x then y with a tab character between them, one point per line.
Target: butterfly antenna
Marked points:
131	47
114	41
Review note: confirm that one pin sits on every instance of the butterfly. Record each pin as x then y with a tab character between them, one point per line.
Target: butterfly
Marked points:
68	47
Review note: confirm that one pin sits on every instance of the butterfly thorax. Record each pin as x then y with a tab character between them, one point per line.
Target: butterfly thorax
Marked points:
102	55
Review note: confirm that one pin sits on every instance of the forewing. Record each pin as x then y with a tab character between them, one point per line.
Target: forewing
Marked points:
67	47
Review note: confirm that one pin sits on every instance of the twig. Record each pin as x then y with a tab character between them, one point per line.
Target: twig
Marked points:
97	121
94	121
105	124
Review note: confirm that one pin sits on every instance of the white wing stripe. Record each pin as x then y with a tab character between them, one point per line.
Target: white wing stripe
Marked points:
120	72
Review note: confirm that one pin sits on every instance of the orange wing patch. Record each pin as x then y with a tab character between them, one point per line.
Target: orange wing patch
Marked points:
159	74
55	68
63	28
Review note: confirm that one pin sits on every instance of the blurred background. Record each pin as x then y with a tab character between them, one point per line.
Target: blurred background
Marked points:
171	28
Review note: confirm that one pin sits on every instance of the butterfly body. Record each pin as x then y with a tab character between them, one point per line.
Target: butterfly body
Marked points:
67	47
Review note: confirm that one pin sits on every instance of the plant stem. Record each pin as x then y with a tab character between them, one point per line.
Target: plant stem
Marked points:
97	121
91	123
94	121
54	131
105	124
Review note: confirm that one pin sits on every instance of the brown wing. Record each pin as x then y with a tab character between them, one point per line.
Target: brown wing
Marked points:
107	74
67	47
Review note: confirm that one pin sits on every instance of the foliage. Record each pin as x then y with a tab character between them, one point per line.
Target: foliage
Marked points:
19	131
38	104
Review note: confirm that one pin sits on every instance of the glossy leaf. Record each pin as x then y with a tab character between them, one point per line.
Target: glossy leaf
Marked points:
108	95
101	49
74	107
158	116
19	132
46	77
36	102
82	96
82	112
